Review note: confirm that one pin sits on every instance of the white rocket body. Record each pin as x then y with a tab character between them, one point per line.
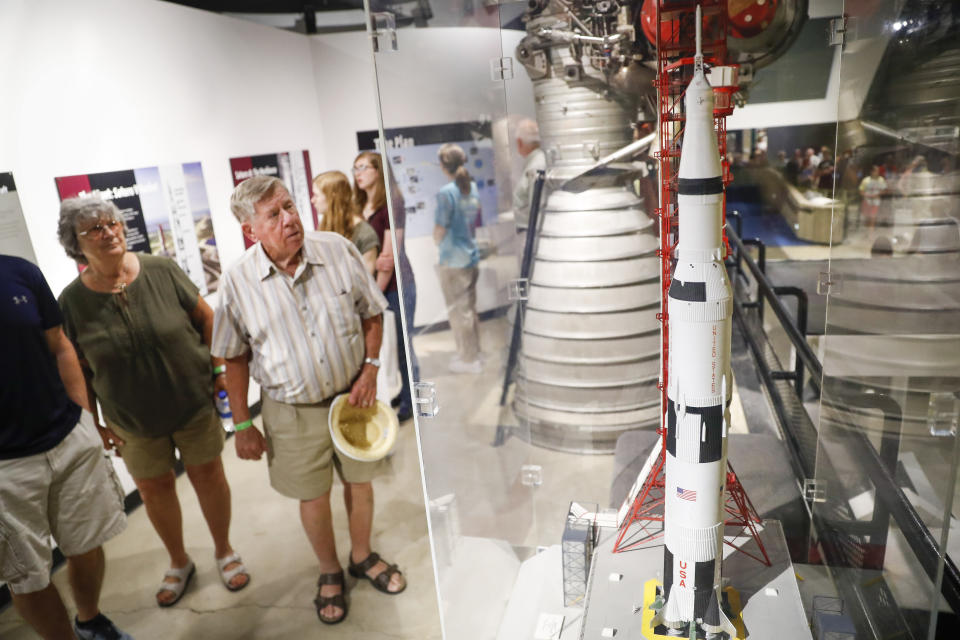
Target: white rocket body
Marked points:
699	384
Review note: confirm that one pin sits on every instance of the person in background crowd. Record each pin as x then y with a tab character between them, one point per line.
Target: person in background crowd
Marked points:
792	169
457	204
915	177
758	159
300	314
142	332
823	176
871	189
848	180
528	146
807	170
889	170
370	195
844	165
781	160
762	142
333	199
54	478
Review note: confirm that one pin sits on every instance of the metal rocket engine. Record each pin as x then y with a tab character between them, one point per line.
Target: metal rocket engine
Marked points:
699	385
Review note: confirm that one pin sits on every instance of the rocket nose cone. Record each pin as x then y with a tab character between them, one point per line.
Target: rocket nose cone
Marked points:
699	94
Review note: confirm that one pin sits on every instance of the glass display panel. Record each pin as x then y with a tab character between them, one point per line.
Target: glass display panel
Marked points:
568	355
802	73
887	460
848	337
439	90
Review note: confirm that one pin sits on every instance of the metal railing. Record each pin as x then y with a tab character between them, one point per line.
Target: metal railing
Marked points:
836	528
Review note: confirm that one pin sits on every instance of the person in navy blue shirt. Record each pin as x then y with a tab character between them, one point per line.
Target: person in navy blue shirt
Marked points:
54	479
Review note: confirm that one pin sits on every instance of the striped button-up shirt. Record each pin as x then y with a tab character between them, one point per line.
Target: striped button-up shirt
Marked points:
304	331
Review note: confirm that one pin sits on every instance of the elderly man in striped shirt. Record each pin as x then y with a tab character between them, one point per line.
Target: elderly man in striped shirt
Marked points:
300	314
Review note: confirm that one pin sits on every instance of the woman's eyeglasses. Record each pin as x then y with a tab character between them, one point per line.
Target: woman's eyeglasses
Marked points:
96	231
360	168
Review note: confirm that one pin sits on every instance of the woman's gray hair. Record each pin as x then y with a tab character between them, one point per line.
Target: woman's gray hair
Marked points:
84	209
250	192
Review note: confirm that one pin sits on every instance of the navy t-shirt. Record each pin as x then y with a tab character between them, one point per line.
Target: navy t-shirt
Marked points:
35	412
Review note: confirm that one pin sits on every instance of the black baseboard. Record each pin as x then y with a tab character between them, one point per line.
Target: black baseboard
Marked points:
131	502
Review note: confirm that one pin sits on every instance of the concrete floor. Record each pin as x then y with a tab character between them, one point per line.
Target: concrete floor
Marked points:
266	531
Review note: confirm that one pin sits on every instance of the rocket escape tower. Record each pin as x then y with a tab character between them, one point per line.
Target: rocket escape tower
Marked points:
676	45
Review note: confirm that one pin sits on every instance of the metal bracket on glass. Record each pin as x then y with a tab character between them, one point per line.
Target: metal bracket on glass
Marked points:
814	490
828	283
942	413
531	475
383	31
425	397
501	69
838	27
518	289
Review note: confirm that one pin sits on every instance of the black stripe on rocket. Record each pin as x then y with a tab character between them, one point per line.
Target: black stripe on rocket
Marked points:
688	291
699	186
711	446
667	570
703	591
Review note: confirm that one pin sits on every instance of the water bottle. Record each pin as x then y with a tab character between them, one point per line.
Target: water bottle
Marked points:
223	409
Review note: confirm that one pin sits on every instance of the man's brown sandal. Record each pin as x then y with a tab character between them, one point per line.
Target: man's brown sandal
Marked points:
339	600
381	581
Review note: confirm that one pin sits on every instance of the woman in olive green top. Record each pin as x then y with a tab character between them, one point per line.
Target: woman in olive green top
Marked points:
143	332
333	199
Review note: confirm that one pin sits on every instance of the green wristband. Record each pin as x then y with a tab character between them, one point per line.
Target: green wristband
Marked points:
246	424
220	368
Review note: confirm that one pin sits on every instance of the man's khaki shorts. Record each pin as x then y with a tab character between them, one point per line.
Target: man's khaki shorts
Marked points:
300	453
69	492
199	442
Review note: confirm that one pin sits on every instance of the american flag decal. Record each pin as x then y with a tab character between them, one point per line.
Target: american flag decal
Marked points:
686	494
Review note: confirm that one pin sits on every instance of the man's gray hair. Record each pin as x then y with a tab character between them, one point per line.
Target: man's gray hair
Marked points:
250	192
528	132
74	211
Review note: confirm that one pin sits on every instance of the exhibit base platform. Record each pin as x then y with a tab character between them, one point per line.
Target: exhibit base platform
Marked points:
769	595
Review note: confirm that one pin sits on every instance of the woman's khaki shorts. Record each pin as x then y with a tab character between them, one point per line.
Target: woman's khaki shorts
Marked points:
199	442
300	453
69	492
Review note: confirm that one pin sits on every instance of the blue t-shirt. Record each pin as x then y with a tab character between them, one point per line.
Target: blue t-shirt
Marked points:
35	412
455	212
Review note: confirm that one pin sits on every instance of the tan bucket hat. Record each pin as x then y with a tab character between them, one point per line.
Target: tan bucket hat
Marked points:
364	434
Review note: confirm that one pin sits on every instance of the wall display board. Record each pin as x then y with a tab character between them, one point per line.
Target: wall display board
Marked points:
413	157
166	213
14	238
293	167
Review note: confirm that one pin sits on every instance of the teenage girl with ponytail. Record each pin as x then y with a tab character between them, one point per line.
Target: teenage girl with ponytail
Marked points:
458	203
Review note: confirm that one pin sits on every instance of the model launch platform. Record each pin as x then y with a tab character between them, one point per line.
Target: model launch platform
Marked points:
620	584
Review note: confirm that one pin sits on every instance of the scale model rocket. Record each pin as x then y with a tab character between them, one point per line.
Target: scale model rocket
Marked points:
698	388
